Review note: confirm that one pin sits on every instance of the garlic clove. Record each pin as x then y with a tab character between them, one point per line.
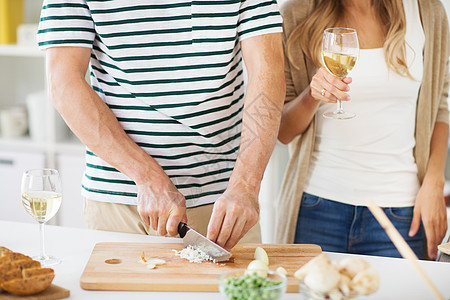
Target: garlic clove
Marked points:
352	266
344	285
156	261
259	267
366	282
336	294
281	270
150	265
322	279
261	254
320	261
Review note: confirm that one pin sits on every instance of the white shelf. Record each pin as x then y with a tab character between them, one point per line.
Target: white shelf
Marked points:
24	51
23	143
27	144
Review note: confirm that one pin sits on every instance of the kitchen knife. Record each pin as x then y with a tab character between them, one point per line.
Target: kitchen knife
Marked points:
193	238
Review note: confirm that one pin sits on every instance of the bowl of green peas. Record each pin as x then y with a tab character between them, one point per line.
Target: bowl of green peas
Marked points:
245	285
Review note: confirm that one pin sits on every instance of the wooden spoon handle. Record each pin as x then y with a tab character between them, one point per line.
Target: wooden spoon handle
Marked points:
402	246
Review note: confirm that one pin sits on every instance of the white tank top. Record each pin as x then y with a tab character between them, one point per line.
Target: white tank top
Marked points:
370	157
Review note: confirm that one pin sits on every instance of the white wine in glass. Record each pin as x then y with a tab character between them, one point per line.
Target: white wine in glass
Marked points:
41	197
340	51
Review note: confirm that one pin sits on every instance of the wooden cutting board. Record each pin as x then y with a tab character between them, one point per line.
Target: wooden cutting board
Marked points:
178	274
52	293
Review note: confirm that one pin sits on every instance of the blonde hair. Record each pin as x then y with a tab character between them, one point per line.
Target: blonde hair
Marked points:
328	13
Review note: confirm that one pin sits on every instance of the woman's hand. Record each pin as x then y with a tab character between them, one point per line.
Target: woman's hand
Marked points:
430	208
298	113
326	87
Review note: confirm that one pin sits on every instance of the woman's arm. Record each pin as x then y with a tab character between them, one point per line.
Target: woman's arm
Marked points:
430	204
298	113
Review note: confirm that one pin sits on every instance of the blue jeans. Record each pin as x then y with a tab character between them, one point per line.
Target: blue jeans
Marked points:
339	227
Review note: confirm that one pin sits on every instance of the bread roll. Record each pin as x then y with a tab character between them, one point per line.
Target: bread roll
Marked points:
26	264
28	286
27	273
4	250
21	275
14	256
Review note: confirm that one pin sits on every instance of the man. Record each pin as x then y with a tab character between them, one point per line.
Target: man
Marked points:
164	122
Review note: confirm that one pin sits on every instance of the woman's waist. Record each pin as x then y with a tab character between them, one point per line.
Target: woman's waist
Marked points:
349	185
370	162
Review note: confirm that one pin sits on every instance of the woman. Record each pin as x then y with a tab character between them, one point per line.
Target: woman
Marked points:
389	153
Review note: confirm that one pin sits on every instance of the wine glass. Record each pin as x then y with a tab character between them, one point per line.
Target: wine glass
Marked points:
340	51
41	197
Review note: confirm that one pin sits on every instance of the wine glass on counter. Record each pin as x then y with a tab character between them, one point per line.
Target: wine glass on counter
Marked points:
41	197
340	51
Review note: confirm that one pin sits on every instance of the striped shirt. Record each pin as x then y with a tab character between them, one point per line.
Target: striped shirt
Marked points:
172	73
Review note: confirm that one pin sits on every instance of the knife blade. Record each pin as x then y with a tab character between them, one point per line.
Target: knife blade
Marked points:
193	238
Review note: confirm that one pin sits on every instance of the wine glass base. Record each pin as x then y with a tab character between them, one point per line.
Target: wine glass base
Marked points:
47	261
339	115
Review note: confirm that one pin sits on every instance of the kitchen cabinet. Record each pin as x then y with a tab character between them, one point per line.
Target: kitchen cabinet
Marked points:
12	165
52	145
22	73
71	168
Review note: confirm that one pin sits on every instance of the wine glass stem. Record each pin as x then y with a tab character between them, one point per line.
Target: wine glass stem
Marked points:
41	233
340	109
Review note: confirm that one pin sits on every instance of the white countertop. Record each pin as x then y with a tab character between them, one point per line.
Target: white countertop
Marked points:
74	246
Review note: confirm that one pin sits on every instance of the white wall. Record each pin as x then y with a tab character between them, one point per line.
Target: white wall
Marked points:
447	6
32	10
270	187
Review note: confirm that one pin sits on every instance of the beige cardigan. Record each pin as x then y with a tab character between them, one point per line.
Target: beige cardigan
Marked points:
431	106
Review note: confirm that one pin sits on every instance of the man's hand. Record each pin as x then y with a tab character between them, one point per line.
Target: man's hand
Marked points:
430	208
234	214
161	206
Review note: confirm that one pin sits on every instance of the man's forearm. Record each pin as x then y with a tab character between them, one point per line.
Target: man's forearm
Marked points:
95	125
260	125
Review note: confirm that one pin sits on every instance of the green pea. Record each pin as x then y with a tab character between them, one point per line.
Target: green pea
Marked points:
247	287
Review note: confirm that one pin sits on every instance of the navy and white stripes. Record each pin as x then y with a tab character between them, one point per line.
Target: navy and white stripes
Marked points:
172	73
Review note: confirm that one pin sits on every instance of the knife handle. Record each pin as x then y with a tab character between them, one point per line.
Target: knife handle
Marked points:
182	229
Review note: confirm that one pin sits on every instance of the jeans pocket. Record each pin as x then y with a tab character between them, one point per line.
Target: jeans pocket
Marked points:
310	201
400	213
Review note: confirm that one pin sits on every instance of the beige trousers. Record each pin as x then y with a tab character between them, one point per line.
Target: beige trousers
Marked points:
125	218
